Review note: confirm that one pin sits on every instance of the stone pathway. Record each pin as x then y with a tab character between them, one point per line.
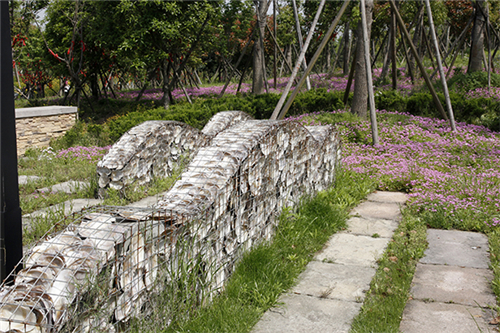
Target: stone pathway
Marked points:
451	287
331	290
68	187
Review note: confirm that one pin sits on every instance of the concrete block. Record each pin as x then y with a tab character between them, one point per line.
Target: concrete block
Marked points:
347	283
378	210
419	317
369	227
459	285
302	314
456	248
347	249
394	197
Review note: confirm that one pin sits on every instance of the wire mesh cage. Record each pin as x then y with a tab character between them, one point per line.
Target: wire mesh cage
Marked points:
109	270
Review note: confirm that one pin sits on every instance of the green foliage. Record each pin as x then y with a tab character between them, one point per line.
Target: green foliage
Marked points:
316	100
470	81
127	114
390	100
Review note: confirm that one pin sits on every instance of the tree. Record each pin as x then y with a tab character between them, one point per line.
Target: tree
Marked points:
360	99
258	50
477	38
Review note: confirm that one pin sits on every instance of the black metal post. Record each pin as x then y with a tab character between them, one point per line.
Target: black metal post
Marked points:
11	244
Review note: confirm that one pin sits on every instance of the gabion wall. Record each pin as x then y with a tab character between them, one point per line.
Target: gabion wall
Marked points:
154	149
105	268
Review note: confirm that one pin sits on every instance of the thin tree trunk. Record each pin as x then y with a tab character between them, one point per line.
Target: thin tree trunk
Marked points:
349	79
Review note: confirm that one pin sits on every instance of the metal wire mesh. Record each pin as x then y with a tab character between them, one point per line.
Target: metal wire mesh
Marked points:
106	269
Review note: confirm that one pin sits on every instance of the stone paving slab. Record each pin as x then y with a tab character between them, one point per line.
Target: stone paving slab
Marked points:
378	210
23	179
395	197
303	314
347	283
369	227
149	201
457	248
452	284
69	206
348	249
68	187
420	317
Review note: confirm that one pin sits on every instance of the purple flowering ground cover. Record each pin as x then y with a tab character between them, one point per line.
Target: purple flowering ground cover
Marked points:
453	179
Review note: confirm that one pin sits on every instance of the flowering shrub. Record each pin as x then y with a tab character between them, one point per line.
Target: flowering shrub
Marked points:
453	178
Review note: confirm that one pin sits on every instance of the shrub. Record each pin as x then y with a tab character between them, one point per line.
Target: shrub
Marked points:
470	81
391	100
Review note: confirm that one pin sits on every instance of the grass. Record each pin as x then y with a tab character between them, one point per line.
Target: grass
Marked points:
78	164
272	267
389	290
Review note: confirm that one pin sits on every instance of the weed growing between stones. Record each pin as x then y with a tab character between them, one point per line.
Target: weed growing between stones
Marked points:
389	290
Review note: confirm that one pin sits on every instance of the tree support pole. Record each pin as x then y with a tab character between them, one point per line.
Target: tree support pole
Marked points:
440	67
299	37
281	52
275	26
419	62
277	114
236	66
371	96
11	242
394	30
299	61
450	50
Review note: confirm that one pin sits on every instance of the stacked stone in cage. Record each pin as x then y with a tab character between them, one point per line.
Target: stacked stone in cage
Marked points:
225	202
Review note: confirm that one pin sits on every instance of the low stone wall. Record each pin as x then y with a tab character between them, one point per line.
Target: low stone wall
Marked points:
154	148
226	201
36	126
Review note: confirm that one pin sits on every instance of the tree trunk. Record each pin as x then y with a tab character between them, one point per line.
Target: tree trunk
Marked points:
360	99
166	94
477	38
258	51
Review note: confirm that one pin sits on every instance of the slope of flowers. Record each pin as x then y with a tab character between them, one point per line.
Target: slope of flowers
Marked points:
452	178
